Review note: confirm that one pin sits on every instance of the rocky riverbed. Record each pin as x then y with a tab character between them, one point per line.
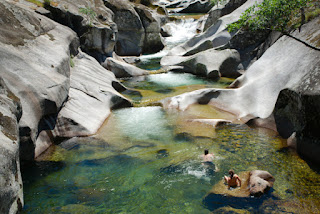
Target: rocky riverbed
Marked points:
58	79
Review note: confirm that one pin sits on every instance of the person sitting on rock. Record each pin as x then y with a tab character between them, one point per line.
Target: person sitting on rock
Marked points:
232	181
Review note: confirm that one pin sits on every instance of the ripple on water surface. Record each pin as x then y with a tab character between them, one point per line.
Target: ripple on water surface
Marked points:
121	172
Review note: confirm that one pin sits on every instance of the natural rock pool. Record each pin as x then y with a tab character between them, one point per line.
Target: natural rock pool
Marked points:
146	160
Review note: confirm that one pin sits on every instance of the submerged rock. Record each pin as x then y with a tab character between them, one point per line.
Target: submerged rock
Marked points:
162	153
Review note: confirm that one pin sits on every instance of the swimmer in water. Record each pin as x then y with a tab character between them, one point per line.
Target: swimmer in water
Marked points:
206	157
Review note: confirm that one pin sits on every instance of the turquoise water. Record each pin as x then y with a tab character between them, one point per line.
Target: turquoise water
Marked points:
149	89
146	160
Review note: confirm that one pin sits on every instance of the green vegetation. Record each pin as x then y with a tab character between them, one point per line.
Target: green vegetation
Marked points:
279	15
36	2
71	62
44	3
89	12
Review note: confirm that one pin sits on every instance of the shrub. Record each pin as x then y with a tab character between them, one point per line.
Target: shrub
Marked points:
270	14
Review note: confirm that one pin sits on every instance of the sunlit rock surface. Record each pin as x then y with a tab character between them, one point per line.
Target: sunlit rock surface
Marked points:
34	60
254	183
210	63
259	88
92	95
91	20
260	182
221	9
11	198
60	95
122	69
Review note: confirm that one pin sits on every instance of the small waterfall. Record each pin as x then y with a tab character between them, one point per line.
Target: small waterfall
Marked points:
181	31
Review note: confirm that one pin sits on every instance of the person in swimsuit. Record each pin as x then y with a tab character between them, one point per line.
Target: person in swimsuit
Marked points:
232	181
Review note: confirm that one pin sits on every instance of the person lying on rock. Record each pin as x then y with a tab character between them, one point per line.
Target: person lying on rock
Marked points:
232	181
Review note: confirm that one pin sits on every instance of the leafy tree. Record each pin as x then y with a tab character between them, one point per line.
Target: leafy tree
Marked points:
270	14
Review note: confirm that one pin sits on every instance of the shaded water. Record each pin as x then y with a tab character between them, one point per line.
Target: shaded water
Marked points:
146	160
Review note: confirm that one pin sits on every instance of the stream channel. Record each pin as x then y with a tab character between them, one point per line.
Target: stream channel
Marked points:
146	160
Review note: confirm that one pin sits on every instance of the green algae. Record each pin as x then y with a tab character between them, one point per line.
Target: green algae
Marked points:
122	173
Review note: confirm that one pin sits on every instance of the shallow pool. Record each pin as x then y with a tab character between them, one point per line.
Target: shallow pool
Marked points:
146	160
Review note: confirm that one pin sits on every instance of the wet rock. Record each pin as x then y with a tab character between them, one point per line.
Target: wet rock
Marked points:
297	116
76	208
230	210
89	194
249	44
214	122
165	91
162	153
166	30
243	191
260	182
268	123
184	136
